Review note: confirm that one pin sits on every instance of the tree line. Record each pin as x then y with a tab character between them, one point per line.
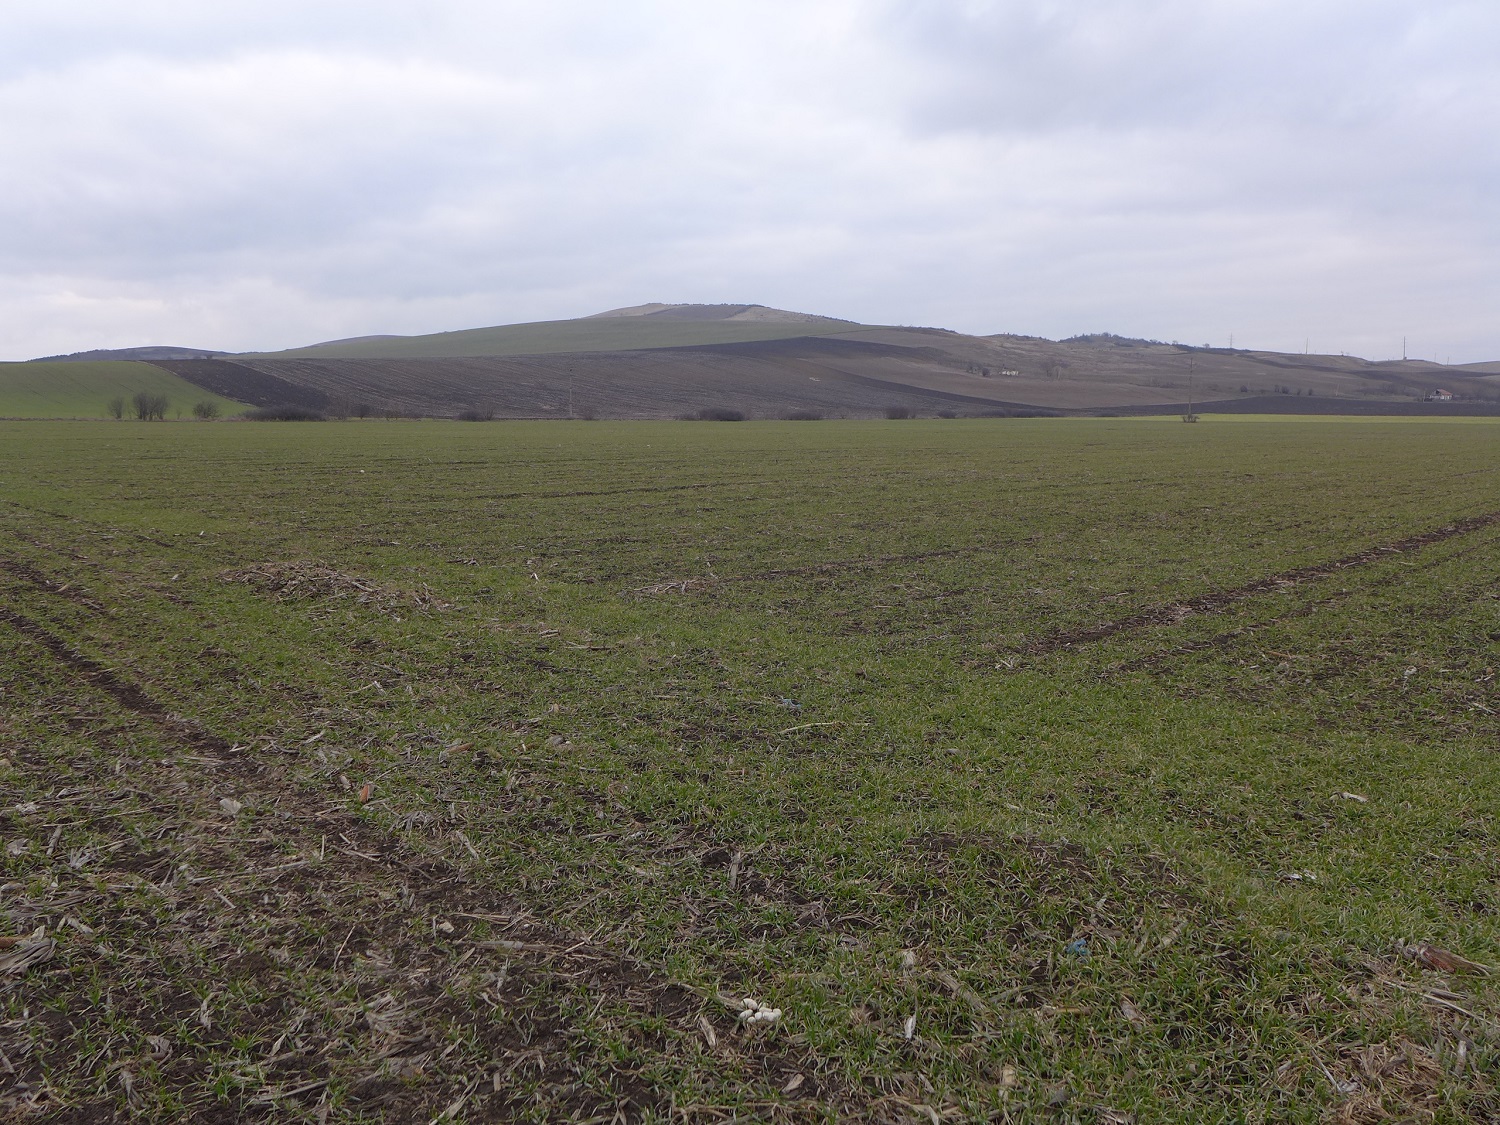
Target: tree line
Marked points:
152	407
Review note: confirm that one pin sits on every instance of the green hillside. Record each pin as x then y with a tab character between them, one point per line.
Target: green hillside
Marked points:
83	390
587	335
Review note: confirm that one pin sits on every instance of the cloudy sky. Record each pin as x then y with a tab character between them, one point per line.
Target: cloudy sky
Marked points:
247	174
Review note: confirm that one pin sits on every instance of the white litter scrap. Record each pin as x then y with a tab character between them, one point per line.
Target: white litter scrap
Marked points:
754	1012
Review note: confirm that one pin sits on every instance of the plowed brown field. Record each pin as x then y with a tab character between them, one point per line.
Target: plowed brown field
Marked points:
855	375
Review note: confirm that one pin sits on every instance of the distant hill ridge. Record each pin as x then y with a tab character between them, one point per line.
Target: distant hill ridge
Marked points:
664	359
146	354
762	313
657	325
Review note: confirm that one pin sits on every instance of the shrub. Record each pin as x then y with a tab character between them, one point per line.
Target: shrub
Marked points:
284	414
116	407
717	414
476	415
899	412
149	406
947	414
205	410
803	416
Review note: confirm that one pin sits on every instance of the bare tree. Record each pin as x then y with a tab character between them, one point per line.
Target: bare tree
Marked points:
149	406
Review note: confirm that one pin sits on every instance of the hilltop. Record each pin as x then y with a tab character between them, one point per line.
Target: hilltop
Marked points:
632	329
759	313
148	353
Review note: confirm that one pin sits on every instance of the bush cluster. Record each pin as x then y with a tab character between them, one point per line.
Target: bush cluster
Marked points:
149	407
284	414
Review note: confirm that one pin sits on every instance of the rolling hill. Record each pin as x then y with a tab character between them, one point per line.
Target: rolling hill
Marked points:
665	360
82	389
148	353
660	326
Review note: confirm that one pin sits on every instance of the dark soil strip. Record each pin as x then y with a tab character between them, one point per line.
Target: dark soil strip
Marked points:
125	693
690	585
61	589
1294	404
377	862
1218	600
620	491
1224	640
243	384
1220	641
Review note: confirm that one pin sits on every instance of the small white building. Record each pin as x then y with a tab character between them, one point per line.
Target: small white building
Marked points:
1440	396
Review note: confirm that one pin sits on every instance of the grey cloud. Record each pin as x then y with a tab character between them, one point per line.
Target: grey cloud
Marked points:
257	175
1174	62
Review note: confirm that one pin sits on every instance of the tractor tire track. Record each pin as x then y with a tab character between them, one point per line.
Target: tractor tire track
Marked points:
1217	601
1221	641
69	590
834	566
373	861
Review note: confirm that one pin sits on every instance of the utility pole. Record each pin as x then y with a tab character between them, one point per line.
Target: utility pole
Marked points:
1190	416
1403	348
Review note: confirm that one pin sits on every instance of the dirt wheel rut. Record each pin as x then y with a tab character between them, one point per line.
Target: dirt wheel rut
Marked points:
1217	601
442	970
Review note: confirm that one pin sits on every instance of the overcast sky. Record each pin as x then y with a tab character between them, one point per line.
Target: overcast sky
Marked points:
253	174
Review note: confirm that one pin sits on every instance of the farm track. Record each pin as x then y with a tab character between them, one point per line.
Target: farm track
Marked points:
836	566
622	491
67	590
1219	600
1227	639
418	973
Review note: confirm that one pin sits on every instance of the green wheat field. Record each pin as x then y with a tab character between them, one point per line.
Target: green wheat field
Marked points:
939	771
